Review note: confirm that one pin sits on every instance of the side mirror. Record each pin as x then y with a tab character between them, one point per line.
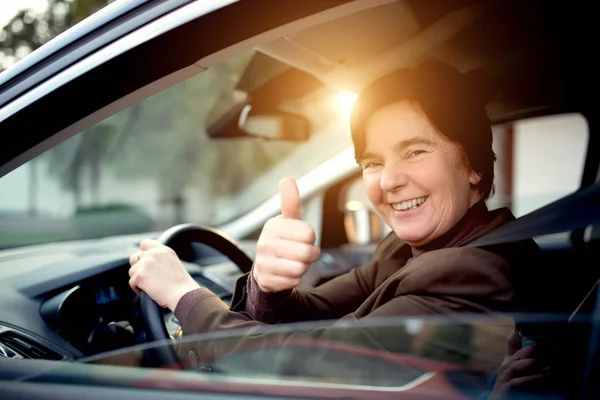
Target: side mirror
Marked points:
274	125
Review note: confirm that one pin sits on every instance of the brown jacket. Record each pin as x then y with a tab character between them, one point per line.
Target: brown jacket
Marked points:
441	278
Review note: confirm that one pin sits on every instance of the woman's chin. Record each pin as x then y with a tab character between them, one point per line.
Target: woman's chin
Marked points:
411	230
411	236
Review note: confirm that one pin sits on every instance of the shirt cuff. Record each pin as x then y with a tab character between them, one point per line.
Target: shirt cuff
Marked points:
188	301
263	306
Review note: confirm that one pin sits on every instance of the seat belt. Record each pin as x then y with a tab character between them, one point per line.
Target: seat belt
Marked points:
574	211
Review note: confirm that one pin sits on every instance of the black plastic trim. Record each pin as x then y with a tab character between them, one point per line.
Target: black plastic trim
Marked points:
86	45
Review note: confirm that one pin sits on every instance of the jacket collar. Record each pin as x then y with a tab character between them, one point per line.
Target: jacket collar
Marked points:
475	223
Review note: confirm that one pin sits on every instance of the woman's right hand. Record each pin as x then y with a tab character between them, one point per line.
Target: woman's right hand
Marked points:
286	245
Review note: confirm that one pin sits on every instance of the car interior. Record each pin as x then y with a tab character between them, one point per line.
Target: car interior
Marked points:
67	299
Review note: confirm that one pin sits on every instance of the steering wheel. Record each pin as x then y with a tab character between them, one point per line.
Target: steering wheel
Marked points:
177	238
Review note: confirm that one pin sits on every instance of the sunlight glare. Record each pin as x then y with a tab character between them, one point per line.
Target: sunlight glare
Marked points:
345	102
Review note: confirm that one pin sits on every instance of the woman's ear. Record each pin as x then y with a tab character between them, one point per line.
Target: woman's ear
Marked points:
474	177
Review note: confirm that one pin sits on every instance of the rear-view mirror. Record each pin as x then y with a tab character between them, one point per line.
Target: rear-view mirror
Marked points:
274	125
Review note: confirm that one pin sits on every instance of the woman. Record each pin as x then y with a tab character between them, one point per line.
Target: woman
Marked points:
424	143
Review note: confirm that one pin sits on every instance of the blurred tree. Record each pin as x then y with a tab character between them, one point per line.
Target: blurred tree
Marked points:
162	139
83	153
27	31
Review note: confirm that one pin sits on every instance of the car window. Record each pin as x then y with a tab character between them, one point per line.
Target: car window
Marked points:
157	164
413	355
539	160
28	24
458	356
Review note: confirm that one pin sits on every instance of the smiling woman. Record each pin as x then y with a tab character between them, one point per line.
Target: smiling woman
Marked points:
428	184
169	111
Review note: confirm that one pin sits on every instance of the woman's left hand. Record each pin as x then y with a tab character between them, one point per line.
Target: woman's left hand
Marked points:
521	371
156	270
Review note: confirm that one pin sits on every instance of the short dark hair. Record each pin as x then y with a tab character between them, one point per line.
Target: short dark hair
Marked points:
453	104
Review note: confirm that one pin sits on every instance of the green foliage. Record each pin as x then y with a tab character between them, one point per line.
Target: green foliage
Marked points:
27	31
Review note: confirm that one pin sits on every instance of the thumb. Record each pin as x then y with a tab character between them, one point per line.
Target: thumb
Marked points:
290	198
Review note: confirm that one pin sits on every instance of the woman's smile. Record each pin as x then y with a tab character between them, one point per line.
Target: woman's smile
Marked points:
410	204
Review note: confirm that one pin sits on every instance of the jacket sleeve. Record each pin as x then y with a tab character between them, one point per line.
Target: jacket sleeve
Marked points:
456	280
460	281
211	351
331	300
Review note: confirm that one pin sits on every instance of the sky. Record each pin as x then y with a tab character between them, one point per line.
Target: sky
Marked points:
8	8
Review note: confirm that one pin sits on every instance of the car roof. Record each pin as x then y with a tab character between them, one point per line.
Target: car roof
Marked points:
526	55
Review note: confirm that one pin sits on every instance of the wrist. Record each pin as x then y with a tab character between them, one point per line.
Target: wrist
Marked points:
180	292
255	283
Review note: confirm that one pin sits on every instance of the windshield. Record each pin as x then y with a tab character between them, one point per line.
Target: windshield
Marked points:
169	159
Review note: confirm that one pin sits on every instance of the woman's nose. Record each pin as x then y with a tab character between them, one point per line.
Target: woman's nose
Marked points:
392	178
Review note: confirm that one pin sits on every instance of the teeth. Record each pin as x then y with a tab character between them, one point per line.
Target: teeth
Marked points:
409	204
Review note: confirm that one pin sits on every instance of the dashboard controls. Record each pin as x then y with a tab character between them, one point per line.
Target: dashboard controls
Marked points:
14	344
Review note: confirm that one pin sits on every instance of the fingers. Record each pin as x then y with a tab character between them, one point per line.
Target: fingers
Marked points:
134	258
522	368
523	353
296	251
133	286
132	274
282	267
148	244
514	342
290	199
293	230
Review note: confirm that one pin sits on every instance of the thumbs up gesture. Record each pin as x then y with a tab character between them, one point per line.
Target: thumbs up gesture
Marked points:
286	245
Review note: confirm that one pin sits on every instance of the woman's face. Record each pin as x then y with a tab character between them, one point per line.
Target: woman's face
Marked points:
415	177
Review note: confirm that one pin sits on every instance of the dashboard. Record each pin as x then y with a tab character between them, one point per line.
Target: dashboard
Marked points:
72	300
68	302
105	315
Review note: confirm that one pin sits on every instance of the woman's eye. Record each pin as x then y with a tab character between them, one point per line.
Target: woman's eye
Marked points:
371	165
415	153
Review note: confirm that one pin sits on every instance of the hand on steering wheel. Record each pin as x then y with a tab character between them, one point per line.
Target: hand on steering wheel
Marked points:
175	238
